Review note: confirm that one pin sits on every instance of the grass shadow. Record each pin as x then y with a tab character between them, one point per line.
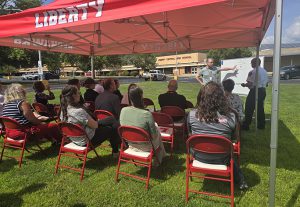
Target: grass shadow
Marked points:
15	199
102	163
79	205
7	164
256	149
294	197
49	152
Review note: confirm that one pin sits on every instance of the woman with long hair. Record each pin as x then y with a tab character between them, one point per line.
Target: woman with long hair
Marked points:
214	116
137	116
17	108
73	111
125	99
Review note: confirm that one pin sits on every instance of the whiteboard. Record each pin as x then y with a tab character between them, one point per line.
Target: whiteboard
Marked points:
239	76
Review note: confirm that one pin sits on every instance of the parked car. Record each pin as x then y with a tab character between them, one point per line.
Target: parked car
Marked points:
48	76
30	76
288	72
154	75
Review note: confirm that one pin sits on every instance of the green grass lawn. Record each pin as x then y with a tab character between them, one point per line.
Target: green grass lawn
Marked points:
36	185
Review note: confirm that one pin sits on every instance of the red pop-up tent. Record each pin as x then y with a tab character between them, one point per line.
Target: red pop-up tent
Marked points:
104	27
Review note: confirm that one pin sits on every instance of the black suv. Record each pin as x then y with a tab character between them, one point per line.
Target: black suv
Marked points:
288	72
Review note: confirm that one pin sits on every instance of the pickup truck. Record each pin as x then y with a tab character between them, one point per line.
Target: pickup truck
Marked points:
154	75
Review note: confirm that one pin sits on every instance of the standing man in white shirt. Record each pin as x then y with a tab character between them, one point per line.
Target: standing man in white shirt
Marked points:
211	72
250	101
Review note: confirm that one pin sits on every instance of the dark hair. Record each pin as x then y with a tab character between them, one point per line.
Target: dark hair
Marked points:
136	97
67	98
228	85
73	82
131	85
253	62
38	86
107	83
211	100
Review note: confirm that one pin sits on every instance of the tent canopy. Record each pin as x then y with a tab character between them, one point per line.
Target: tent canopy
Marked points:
106	27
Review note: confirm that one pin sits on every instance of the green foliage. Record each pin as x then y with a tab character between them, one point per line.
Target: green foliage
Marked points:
52	60
134	73
112	73
144	61
230	53
125	73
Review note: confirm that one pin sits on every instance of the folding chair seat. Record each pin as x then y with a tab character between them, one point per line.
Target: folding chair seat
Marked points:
90	105
20	136
130	134
166	127
178	116
43	110
210	144
70	149
148	102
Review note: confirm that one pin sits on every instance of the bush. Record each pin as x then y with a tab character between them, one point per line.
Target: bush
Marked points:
134	73
125	73
112	73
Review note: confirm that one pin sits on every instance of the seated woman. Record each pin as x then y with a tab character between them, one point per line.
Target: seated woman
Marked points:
16	107
235	102
43	98
137	116
73	111
213	116
125	99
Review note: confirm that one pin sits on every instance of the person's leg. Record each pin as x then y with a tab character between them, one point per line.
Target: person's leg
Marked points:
104	133
260	108
249	109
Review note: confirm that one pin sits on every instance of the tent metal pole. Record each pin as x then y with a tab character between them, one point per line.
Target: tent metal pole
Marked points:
256	86
92	67
40	66
275	101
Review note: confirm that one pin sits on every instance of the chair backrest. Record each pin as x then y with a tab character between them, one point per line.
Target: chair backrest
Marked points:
40	108
102	114
134	134
211	144
163	119
90	105
71	130
174	111
148	102
10	123
189	105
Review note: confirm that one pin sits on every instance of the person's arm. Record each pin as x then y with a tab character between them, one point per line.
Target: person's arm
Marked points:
227	68
188	124
25	108
248	84
199	79
92	123
51	94
151	124
116	106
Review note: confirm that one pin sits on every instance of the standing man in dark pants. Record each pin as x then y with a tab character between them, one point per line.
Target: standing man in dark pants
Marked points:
250	101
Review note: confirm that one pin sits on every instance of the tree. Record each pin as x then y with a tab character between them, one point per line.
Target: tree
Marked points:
144	61
230	53
52	60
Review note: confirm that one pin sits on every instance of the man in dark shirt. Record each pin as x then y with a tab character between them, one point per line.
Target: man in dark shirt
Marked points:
172	98
90	94
107	100
117	91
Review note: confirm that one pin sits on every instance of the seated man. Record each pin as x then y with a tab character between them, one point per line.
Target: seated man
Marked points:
90	94
172	98
107	100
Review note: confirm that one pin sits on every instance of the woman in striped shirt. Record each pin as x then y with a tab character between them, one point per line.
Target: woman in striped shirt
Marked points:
17	108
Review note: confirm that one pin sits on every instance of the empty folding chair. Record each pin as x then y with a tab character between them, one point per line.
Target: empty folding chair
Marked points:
130	134
166	127
102	114
178	116
210	144
70	149
148	102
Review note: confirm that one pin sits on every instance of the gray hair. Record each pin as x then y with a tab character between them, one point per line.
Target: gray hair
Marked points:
14	92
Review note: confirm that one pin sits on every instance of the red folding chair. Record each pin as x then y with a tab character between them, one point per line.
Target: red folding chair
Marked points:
12	127
210	144
166	127
178	116
70	149
148	102
130	134
43	110
102	114
90	105
189	105
237	142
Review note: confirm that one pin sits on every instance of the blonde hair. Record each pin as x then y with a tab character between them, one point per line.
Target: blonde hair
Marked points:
14	92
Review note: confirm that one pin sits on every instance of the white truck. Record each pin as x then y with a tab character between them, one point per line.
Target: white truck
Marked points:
30	76
155	75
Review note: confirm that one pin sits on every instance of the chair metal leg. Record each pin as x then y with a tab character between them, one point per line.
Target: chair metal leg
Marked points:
2	151
232	186
187	179
148	175
21	158
58	160
118	169
83	166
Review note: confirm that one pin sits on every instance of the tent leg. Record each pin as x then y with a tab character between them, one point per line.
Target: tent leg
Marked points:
256	88
92	67
275	101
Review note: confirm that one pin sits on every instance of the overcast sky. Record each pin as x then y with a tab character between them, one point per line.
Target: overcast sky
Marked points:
290	23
